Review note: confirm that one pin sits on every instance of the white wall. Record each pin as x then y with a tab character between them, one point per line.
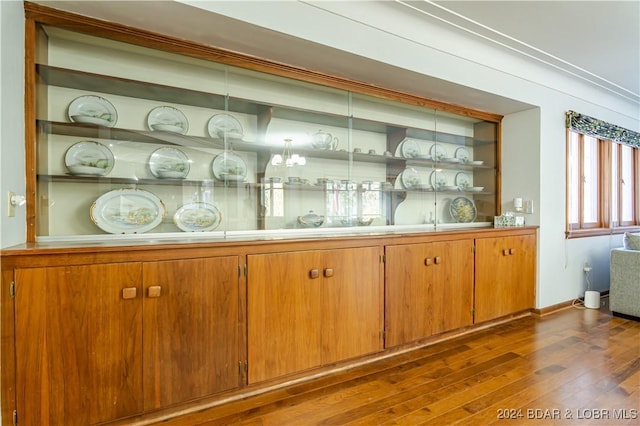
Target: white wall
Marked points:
12	176
533	140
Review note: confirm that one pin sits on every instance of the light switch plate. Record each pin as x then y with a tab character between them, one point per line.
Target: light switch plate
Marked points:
11	209
528	206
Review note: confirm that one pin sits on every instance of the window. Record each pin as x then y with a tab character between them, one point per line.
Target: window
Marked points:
602	185
624	185
603	182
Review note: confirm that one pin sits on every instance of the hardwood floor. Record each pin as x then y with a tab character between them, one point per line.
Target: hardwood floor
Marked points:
573	367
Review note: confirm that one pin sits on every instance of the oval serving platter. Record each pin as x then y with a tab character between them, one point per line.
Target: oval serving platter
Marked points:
197	217
127	211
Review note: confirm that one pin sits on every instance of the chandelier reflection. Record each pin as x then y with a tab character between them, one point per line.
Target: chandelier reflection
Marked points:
288	158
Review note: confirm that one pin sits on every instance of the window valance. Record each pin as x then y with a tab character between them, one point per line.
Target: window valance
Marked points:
593	127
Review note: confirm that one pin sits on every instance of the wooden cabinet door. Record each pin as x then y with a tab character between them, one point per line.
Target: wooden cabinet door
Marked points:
429	289
451	289
505	276
190	329
284	313
407	279
78	344
352	296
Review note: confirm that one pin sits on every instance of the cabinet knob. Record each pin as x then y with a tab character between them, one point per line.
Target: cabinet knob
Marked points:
328	272
314	273
154	291
505	252
129	293
437	260
427	261
512	251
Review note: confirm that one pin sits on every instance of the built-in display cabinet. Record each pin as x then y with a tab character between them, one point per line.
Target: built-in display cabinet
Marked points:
132	140
203	225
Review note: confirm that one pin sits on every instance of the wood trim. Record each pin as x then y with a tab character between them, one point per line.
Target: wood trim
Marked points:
553	308
119	32
47	254
7	348
498	169
561	306
30	132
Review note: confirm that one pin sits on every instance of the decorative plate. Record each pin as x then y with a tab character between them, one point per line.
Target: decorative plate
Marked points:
437	179
437	152
410	178
463	210
167	119
127	211
229	166
169	163
197	217
88	158
463	180
225	125
462	154
409	148
92	110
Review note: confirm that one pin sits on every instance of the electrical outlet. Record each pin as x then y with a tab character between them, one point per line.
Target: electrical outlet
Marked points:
586	267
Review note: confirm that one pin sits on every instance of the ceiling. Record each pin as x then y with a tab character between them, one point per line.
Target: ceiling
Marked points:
596	41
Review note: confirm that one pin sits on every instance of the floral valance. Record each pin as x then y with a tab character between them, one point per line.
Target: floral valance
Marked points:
593	127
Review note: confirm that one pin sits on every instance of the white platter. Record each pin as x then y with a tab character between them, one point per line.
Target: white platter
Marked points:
410	179
229	166
88	158
437	179
463	180
462	154
462	210
169	163
437	152
92	110
225	125
409	148
127	211
197	217
167	119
